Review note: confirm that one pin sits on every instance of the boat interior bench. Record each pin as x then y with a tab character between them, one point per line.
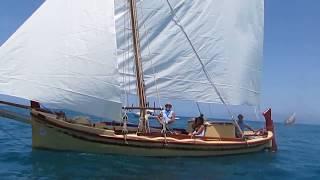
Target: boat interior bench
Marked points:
213	129
216	129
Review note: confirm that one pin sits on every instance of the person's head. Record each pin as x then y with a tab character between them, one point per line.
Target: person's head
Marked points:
195	123
240	118
168	106
198	121
201	117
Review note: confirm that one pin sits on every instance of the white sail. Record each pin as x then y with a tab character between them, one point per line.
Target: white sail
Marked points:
65	55
227	35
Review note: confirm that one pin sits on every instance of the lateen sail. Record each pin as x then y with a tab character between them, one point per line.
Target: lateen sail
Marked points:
227	35
65	55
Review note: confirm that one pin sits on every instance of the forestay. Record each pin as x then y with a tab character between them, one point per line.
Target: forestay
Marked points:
65	55
227	35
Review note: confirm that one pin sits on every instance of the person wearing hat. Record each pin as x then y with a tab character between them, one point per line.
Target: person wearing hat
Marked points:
167	116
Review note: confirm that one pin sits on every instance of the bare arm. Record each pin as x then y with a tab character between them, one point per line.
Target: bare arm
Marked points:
199	131
248	127
173	118
159	118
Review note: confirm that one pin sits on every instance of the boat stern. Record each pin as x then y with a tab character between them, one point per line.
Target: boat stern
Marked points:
270	128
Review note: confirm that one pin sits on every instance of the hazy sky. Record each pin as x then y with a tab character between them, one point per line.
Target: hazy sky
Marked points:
291	76
291	79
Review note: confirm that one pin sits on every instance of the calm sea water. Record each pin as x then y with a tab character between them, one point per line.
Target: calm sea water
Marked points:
298	158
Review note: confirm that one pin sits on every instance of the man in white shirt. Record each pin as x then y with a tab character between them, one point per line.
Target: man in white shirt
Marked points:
167	116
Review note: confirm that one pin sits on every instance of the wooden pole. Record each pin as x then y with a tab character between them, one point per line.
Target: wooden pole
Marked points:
138	64
15	105
145	108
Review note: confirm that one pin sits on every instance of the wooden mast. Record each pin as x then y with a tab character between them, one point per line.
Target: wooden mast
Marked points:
138	64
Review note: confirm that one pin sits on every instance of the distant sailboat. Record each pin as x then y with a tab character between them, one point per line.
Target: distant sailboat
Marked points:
88	56
291	120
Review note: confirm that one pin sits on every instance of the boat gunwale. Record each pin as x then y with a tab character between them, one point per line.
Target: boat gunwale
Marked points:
162	145
145	139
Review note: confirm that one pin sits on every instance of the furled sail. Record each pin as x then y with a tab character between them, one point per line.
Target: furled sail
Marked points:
226	35
65	55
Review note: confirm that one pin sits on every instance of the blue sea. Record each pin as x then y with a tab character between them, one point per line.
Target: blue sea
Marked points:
298	158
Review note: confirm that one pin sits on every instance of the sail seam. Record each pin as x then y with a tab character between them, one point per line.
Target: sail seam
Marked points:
198	82
34	82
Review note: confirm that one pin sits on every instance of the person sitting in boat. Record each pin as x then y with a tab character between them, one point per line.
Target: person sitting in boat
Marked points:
201	117
167	116
242	125
198	127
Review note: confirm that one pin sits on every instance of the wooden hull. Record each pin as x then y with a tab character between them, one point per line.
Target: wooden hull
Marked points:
51	133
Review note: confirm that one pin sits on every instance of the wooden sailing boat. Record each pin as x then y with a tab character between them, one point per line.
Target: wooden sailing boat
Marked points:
74	62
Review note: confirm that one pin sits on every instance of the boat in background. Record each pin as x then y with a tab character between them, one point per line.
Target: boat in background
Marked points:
94	54
291	120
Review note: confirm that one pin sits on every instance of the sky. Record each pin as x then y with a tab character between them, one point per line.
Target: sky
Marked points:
291	76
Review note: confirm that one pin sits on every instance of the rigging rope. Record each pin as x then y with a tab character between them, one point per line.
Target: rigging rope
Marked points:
256	112
164	132
210	109
149	56
129	46
126	55
198	108
124	126
203	66
124	67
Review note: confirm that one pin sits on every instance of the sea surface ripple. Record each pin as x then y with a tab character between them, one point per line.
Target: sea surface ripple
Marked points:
298	158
